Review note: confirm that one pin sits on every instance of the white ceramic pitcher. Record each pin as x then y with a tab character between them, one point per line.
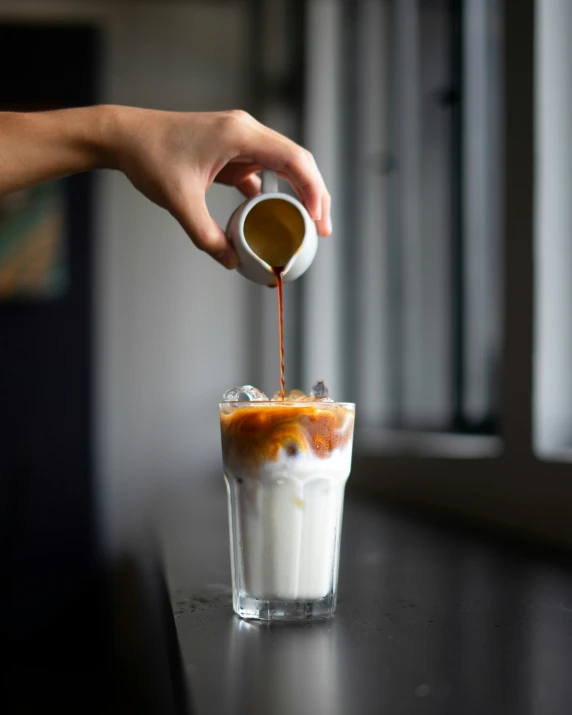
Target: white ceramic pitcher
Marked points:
272	230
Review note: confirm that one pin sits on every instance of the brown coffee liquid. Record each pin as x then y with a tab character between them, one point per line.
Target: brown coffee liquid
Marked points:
274	230
277	270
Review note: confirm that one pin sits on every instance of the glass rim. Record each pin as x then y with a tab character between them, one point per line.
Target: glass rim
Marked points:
288	403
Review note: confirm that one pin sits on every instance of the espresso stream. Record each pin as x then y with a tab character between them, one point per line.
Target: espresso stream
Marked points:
277	270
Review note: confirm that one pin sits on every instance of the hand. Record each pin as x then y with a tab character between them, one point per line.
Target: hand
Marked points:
173	158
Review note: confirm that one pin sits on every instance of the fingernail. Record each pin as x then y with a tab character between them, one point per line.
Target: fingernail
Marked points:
329	225
227	258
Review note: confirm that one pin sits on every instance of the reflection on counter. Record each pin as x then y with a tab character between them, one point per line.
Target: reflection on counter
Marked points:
266	660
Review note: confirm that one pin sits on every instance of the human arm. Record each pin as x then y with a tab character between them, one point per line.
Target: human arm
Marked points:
171	157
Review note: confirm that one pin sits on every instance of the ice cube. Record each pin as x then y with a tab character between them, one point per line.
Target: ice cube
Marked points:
246	393
319	389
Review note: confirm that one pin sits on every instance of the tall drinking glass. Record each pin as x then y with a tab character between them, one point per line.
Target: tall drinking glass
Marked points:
286	465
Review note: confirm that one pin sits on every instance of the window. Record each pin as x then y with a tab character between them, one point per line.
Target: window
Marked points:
553	230
417	187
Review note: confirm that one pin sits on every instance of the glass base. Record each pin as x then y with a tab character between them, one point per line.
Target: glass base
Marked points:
277	610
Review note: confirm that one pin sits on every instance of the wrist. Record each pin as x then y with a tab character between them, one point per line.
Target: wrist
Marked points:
118	127
107	135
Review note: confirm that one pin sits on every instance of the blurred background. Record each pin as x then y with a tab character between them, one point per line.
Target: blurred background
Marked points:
425	307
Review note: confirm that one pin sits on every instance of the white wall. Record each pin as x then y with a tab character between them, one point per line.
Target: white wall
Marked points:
169	321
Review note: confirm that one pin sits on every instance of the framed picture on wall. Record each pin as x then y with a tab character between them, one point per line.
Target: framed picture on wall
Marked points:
33	256
33	264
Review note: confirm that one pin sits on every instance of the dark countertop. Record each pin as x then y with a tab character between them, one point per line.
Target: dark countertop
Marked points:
430	619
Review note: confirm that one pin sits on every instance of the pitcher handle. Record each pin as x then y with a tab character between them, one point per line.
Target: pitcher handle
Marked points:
269	182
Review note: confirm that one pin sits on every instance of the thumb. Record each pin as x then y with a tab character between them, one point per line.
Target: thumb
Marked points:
204	231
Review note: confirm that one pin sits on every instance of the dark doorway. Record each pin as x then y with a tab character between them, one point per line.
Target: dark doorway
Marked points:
47	515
